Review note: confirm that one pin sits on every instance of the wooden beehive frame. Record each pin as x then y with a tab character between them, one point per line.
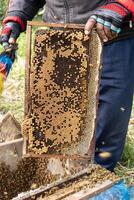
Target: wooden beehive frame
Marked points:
28	67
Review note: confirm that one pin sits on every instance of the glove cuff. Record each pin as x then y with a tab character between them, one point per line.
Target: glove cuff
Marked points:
15	19
128	4
116	7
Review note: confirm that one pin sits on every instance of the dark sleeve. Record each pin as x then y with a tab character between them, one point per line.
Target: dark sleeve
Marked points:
25	9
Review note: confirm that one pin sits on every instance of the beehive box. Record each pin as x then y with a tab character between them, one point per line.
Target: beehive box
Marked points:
32	180
61	90
86	184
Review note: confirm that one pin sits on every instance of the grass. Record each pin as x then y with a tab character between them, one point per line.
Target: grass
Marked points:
126	166
12	100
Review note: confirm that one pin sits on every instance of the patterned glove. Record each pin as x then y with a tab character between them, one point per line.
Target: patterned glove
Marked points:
12	28
111	15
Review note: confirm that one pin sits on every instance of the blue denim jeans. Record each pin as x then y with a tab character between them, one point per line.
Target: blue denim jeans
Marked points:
115	101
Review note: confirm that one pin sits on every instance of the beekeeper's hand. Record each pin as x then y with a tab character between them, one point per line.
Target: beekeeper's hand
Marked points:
108	20
12	27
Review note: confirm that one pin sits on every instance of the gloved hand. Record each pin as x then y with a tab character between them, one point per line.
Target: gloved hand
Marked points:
10	33
108	20
12	27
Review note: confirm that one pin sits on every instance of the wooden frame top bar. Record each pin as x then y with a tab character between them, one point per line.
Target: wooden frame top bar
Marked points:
58	25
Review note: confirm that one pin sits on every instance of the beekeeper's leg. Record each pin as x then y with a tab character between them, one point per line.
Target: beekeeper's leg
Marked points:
115	102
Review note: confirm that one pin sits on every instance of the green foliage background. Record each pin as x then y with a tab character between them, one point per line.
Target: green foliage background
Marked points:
3	7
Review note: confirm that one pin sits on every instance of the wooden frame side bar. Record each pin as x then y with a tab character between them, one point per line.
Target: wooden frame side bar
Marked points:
27	67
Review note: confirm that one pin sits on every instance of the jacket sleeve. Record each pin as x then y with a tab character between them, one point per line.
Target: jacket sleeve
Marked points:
25	9
129	4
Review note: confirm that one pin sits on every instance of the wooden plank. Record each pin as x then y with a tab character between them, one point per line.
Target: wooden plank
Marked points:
65	192
57	25
90	192
60	194
27	68
83	159
8	143
27	78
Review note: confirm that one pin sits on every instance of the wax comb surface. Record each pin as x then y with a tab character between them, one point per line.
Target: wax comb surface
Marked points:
63	90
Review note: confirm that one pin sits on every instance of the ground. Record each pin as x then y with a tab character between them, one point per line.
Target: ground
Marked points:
12	100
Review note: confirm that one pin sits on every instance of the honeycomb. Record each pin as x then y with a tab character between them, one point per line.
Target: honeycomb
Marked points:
63	92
